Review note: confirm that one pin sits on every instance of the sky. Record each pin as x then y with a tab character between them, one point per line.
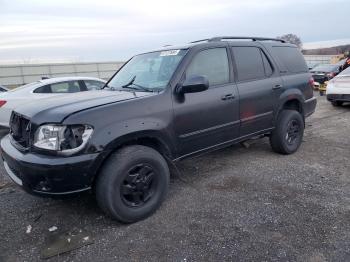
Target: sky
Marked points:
102	30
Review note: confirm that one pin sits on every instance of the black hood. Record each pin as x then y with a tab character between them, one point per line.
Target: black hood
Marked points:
57	108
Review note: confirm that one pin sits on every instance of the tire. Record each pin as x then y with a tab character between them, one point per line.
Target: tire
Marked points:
133	183
337	103
288	134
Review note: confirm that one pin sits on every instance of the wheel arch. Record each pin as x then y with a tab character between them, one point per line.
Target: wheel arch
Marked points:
291	100
150	138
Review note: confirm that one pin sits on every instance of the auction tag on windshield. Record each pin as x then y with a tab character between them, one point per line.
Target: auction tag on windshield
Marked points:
169	52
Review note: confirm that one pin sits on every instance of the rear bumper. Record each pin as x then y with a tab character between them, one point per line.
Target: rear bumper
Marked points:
338	97
49	175
310	106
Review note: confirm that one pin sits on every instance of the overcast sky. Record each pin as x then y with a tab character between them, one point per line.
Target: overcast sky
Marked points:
101	30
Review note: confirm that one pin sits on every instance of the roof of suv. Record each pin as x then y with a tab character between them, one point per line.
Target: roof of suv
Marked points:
224	40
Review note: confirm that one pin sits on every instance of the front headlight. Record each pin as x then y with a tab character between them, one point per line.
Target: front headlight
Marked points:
65	140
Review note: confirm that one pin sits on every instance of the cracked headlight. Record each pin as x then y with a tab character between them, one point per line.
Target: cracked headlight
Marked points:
65	140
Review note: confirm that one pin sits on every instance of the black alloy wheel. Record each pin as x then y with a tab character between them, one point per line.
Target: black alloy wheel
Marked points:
293	132
138	186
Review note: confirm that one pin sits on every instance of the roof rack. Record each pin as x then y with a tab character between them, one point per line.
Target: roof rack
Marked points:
220	38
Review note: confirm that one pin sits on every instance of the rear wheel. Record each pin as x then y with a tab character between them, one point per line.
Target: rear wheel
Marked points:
132	183
337	103
288	134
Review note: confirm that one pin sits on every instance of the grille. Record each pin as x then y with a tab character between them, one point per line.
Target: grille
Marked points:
20	129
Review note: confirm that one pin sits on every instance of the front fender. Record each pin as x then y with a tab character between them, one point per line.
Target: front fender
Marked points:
115	134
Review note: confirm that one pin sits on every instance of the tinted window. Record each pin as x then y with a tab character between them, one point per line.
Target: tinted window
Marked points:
290	58
212	63
249	63
93	85
65	87
43	89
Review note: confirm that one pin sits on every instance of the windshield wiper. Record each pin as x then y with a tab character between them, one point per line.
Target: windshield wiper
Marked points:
130	82
106	86
132	85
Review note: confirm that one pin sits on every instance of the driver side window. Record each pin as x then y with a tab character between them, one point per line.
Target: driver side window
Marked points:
212	63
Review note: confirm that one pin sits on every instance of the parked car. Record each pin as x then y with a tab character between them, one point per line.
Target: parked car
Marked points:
43	89
338	89
159	108
311	65
3	89
325	72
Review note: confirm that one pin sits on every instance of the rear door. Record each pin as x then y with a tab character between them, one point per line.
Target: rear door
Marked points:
258	85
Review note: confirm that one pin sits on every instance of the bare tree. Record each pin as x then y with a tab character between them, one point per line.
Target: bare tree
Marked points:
292	38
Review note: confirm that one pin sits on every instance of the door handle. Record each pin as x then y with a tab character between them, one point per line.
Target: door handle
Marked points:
277	87
227	97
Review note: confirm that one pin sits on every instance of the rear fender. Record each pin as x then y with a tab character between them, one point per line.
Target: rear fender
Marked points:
289	95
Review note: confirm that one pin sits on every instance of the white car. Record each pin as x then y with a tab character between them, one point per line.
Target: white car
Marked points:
338	89
42	89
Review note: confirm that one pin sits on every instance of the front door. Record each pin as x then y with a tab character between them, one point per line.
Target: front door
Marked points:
209	118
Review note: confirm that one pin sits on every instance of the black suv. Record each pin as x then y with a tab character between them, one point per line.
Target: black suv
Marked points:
159	108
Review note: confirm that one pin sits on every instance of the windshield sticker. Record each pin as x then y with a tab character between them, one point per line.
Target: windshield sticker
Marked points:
169	52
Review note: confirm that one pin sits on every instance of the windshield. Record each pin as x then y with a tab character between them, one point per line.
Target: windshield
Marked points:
324	68
148	72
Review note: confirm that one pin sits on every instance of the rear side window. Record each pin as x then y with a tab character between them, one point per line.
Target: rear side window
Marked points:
43	89
212	63
65	87
93	85
250	64
290	59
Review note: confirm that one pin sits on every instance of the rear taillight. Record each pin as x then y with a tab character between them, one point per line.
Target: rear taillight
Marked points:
312	82
2	102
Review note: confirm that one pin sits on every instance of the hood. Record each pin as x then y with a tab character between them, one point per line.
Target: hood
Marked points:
57	108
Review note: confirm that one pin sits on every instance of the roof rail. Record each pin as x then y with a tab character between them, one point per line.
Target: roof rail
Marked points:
220	38
202	40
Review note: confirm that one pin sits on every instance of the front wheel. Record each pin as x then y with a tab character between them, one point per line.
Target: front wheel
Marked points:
132	183
288	134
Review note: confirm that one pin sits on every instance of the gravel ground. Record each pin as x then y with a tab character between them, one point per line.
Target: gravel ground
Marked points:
234	204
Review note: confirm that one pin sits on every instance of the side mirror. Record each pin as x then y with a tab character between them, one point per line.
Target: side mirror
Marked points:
194	84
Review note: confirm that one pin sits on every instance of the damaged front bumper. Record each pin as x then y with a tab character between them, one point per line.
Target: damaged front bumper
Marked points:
49	175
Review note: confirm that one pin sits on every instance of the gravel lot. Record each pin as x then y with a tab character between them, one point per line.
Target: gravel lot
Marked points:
234	204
